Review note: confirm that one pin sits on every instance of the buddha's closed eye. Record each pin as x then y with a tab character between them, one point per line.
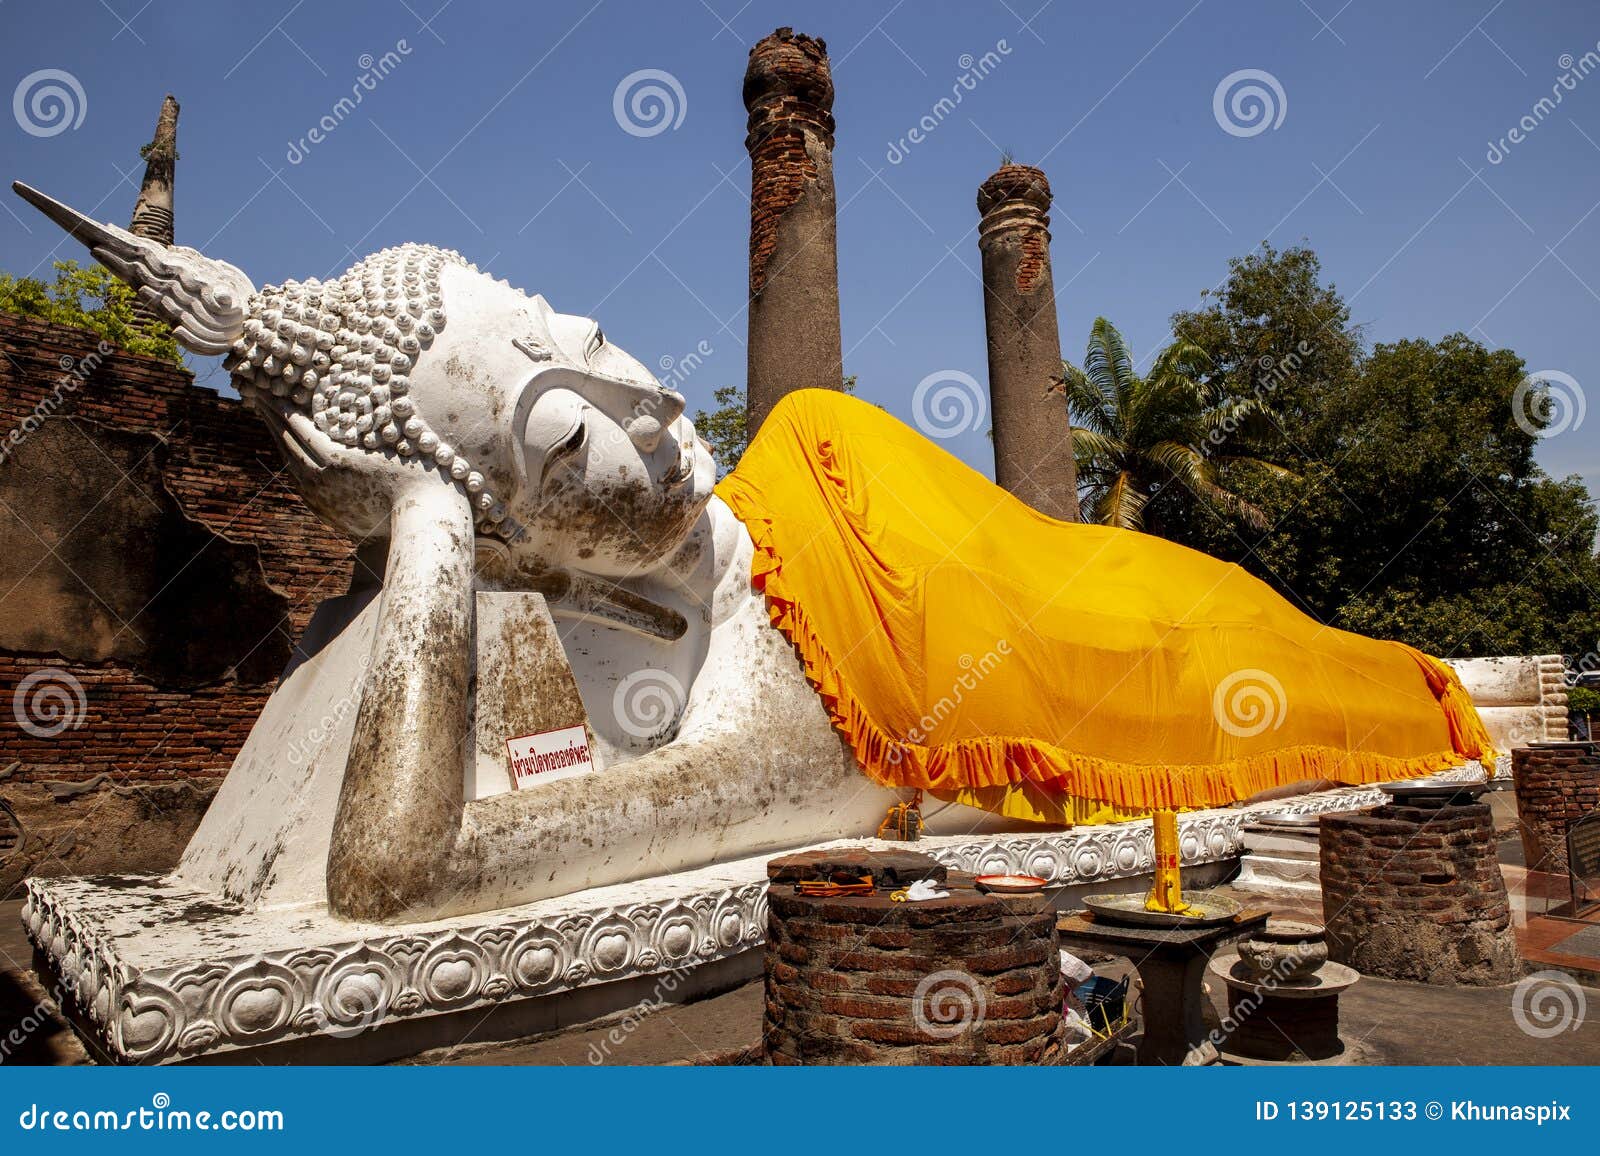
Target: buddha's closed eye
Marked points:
569	444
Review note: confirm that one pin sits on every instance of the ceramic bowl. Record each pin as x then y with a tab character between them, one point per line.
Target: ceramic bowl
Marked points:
1293	960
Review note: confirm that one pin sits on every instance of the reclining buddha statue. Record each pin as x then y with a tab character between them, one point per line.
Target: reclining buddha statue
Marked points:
851	616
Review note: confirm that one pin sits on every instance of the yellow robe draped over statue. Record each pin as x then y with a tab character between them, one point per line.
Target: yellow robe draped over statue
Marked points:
1060	672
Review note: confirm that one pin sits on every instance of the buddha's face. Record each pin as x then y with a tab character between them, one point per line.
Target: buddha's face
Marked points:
613	475
568	449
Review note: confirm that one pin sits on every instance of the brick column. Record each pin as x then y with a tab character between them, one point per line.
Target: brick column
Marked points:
1557	784
1414	892
794	263
1032	436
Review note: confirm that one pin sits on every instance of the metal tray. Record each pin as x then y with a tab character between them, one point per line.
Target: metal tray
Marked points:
1432	789
1128	910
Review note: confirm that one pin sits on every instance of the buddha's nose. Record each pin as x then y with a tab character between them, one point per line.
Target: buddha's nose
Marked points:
651	418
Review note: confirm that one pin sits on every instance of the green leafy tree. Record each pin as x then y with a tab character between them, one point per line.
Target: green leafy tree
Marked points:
88	298
1274	332
1583	704
1134	436
1420	513
724	427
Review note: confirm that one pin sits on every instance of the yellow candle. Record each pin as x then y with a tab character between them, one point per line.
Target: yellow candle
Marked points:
1167	893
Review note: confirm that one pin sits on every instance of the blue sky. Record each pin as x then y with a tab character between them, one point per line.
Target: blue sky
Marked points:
495	134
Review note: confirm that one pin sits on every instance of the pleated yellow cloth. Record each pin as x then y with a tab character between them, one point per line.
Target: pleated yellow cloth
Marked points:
1059	672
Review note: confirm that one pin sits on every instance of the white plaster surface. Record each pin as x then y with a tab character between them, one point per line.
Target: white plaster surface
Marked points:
264	838
502	448
1522	699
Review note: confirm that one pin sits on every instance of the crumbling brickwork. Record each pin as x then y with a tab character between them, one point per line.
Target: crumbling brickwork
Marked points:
157	571
1557	784
970	979
794	275
782	168
1415	893
788	91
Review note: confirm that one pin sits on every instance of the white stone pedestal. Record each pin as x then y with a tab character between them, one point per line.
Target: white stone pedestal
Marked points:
153	971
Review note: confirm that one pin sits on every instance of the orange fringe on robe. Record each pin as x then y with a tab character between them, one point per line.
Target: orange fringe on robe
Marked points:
1060	672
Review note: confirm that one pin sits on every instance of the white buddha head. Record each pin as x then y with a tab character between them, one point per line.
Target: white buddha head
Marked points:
570	453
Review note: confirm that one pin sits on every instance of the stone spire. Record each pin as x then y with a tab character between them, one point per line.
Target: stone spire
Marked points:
794	260
1032	436
152	212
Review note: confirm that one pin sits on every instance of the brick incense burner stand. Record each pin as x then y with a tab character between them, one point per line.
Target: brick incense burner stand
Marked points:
1557	784
971	979
1412	891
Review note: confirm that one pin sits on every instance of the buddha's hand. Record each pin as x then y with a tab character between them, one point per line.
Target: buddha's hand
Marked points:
353	485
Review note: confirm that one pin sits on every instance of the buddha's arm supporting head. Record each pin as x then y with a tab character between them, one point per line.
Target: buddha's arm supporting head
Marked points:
420	401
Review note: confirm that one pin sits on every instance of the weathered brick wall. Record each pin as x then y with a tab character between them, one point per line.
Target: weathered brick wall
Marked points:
970	979
157	569
1415	893
1557	784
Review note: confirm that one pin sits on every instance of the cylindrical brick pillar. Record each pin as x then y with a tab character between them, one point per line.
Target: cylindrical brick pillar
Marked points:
794	258
1032	435
1557	784
1412	891
969	979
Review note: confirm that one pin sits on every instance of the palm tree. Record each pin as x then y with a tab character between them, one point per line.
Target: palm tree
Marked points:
1133	435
